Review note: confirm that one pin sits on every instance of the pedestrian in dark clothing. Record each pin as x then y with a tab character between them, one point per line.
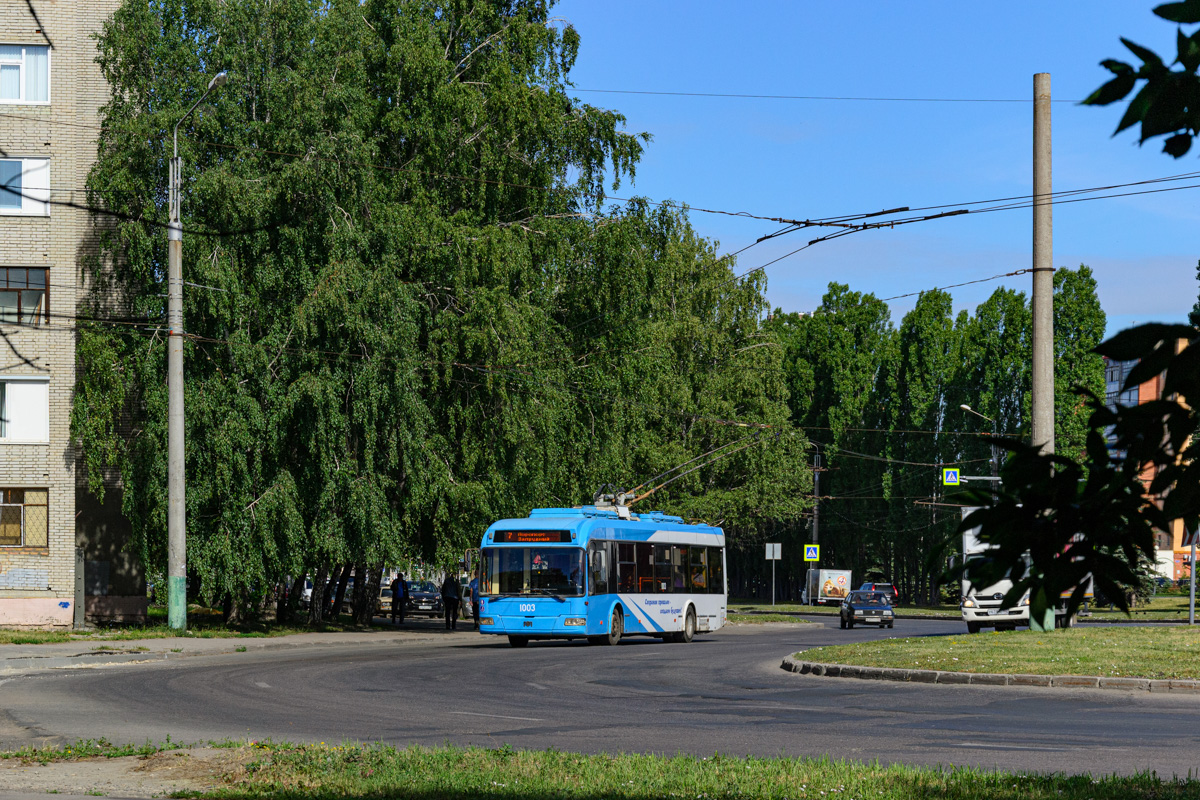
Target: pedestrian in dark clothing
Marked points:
474	587
399	598
450	598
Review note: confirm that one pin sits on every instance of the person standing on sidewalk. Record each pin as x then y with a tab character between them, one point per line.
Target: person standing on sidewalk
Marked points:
450	598
474	587
399	597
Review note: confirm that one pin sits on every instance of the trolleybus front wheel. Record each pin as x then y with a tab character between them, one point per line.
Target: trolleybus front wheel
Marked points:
518	641
614	630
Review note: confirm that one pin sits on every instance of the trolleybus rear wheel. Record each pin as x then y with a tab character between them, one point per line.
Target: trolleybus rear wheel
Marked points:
689	627
518	641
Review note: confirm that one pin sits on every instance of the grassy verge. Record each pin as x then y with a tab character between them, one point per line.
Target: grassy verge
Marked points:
86	748
467	774
1163	607
759	619
1135	652
743	606
202	624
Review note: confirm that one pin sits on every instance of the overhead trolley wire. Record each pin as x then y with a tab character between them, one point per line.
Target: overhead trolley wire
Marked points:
740	96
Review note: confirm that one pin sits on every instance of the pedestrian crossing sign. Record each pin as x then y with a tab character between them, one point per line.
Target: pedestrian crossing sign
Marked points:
812	552
950	476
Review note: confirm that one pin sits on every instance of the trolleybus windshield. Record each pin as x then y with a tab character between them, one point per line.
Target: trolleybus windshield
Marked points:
556	571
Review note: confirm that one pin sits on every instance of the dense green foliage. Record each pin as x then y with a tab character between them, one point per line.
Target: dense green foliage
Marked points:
883	405
410	311
1047	501
1168	103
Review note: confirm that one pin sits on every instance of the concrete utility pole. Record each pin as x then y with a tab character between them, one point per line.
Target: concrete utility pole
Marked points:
1043	269
816	498
1043	287
176	519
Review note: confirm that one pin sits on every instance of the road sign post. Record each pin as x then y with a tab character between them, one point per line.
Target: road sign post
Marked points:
1189	538
772	556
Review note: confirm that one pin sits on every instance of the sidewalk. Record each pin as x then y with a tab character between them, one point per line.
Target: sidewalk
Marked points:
17	659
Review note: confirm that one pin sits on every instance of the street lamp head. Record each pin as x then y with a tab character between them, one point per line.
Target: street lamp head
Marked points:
966	407
218	80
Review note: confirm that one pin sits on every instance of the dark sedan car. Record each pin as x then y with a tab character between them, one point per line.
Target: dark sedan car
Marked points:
424	599
866	608
887	588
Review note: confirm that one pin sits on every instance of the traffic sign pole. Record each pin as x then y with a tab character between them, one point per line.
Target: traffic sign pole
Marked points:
1192	591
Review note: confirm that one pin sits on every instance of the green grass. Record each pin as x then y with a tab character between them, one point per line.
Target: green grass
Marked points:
741	605
759	619
1162	607
452	773
1128	652
202	624
87	748
1171	607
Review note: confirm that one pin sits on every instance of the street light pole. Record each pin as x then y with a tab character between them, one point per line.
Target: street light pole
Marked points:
995	459
176	519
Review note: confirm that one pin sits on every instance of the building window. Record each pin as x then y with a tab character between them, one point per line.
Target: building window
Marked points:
24	73
24	410
24	517
23	296
25	186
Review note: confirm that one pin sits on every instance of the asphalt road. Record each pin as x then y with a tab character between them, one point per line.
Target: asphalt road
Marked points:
723	693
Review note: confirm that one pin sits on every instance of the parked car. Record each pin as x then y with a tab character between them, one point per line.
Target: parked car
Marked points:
887	588
866	608
424	599
383	606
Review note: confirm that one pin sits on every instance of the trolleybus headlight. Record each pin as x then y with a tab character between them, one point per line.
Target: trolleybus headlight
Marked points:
575	621
486	621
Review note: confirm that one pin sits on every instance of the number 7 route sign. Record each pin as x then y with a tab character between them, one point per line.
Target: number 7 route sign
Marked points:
950	476
812	552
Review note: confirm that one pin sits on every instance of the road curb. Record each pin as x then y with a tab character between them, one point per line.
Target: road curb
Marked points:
823	670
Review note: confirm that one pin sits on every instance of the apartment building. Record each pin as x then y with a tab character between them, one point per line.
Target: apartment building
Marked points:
51	92
1172	557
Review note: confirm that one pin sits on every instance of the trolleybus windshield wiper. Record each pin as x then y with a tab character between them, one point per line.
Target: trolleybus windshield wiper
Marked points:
549	592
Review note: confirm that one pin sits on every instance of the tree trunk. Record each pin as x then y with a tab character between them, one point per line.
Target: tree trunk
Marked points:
288	606
365	612
339	596
316	603
360	593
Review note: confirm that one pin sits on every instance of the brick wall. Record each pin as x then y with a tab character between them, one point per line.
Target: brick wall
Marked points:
65	132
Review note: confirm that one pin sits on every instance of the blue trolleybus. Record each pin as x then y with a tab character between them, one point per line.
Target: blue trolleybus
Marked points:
602	573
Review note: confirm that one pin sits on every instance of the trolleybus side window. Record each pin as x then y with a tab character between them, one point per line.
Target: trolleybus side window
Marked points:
716	571
626	567
698	573
645	568
663	577
598	565
679	565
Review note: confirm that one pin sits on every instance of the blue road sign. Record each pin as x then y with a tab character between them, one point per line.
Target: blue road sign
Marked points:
812	552
950	476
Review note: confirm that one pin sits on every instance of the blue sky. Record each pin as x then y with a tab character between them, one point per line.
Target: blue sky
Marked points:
817	158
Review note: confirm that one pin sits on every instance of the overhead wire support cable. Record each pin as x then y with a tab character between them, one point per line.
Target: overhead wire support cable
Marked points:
868	99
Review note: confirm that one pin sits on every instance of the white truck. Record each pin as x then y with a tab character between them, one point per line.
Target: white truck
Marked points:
983	606
826	586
